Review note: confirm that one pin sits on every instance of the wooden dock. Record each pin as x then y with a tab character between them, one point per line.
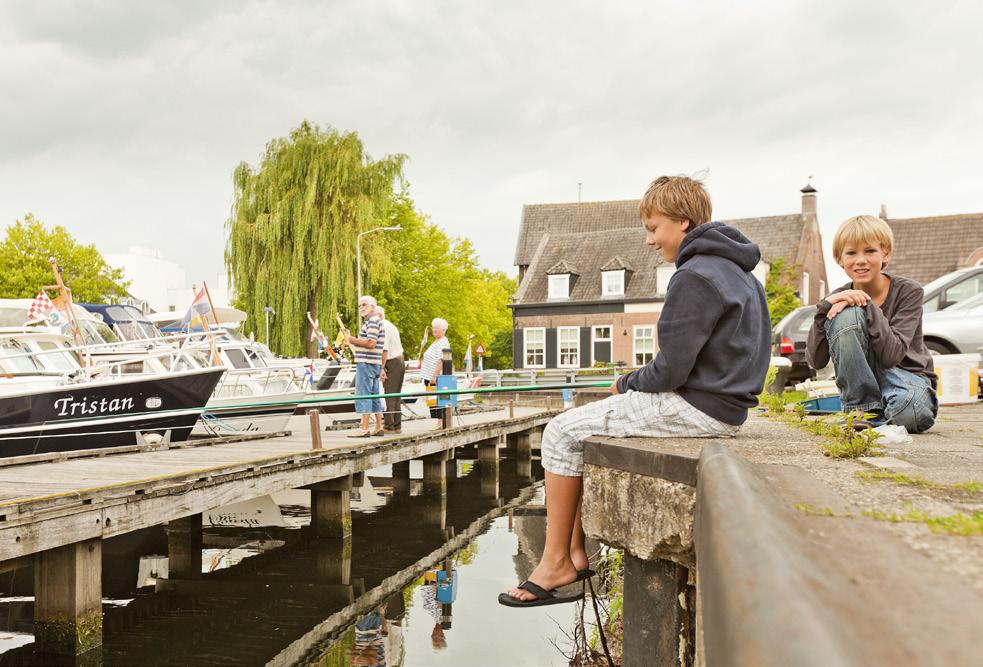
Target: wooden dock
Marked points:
56	510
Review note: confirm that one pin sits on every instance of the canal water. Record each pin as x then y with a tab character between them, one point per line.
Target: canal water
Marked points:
415	587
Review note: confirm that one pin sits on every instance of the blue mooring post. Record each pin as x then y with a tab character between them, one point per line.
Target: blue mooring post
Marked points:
446	381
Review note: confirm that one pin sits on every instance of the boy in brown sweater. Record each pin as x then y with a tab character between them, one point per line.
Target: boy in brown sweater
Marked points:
872	329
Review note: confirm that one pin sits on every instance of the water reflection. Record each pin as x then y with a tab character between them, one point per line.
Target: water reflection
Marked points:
275	593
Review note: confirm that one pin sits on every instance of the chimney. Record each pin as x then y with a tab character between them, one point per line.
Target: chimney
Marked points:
883	214
808	199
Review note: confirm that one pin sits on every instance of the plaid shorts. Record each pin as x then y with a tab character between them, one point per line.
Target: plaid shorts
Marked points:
636	414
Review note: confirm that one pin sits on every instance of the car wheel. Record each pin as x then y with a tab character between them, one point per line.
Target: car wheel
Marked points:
935	347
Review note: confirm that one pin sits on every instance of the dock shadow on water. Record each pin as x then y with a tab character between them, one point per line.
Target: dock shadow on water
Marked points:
416	584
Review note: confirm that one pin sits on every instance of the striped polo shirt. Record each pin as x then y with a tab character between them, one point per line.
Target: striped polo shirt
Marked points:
372	329
433	357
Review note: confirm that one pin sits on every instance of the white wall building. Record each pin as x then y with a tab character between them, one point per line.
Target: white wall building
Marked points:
162	283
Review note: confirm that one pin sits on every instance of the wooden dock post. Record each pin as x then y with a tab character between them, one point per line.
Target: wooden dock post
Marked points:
68	598
401	478
315	416
523	455
331	509
435	489
184	543
448	417
488	466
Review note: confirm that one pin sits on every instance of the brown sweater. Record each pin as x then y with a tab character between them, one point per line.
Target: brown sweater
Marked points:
895	330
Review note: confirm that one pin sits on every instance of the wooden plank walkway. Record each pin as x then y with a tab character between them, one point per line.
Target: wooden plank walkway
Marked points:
49	504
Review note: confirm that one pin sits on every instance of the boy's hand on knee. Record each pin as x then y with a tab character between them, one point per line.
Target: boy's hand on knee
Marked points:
845	299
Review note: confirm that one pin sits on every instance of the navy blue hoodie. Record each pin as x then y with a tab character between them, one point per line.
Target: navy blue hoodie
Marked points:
714	331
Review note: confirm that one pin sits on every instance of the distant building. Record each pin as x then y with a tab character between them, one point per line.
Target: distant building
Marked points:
160	283
590	290
927	248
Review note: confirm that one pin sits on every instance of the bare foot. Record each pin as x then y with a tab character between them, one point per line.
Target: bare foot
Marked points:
547	576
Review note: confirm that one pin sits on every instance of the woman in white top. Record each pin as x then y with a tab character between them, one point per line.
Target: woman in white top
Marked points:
431	361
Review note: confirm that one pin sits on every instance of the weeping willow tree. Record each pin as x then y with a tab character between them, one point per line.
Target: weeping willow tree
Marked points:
292	231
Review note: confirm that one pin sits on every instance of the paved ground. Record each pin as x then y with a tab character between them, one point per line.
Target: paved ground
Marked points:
950	453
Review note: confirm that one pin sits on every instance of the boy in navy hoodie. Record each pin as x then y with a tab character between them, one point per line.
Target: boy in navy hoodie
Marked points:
714	339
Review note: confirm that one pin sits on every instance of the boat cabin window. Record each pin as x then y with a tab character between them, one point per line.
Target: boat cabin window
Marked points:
16	358
12	317
237	357
57	357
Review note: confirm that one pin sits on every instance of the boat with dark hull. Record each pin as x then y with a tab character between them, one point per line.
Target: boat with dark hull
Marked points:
50	403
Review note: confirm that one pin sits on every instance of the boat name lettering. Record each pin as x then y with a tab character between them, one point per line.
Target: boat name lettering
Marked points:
69	406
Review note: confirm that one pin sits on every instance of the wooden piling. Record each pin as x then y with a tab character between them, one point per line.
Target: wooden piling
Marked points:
184	544
315	416
68	598
331	509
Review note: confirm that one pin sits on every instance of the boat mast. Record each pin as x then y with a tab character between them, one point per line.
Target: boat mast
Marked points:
65	299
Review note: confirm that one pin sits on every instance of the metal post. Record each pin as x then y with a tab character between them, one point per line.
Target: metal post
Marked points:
511	408
448	416
315	416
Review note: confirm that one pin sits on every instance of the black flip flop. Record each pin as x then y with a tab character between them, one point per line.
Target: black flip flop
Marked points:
543	597
585	574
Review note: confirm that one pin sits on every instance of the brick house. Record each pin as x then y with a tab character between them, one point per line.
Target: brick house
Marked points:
927	248
590	290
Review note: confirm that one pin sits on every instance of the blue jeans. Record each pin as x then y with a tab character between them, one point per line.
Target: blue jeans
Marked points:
367	384
893	394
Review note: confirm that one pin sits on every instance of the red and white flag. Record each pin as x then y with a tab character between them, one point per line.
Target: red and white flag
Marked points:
41	308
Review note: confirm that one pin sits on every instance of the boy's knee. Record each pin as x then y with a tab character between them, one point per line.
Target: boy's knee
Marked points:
851	317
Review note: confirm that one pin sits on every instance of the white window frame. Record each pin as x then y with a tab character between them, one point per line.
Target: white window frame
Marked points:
662	284
559	347
553	286
619	290
595	339
635	339
804	294
822	289
525	347
760	271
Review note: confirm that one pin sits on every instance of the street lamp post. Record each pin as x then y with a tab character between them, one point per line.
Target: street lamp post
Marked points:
268	310
358	259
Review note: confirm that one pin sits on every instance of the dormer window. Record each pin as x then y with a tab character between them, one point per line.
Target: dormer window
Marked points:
613	283
559	286
560	279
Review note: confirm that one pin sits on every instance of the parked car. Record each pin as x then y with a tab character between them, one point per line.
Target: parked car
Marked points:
789	341
952	288
956	330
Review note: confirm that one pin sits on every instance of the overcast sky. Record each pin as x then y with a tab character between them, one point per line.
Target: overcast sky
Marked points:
122	121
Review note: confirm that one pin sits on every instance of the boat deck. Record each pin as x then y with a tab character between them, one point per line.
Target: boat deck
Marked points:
56	501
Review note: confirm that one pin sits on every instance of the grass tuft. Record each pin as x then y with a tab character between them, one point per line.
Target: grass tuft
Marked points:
966	525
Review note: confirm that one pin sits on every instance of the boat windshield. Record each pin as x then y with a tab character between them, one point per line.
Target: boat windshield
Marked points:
12	317
16	358
57	357
93	333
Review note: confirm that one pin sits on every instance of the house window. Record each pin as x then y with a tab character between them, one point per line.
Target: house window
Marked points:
568	344
644	344
662	276
534	341
822	289
559	286
805	287
602	335
612	283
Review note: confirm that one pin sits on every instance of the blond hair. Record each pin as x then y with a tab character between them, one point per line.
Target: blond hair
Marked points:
863	229
677	197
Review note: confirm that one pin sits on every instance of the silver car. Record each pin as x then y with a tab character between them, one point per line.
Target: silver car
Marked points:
956	330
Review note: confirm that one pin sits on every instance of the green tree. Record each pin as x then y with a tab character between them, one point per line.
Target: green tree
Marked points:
25	266
434	275
292	231
780	291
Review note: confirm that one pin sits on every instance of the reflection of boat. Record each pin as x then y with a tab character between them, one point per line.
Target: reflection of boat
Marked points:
49	402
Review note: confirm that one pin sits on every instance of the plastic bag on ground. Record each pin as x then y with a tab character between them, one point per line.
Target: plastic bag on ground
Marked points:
892	435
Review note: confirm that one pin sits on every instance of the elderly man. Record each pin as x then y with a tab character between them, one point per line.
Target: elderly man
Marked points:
393	368
368	348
